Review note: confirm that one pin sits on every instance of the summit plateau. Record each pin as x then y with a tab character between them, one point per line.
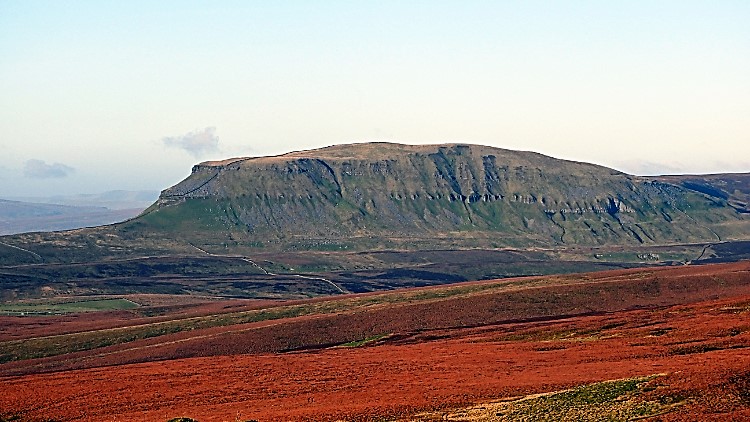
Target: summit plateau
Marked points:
383	215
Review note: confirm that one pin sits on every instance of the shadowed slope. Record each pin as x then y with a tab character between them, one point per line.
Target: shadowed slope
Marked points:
387	197
364	196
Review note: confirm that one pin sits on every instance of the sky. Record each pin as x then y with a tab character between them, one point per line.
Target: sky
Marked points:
105	95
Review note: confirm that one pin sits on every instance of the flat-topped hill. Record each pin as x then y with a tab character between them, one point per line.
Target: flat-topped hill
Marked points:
384	196
374	195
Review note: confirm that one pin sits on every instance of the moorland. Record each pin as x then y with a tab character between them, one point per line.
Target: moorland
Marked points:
670	342
389	282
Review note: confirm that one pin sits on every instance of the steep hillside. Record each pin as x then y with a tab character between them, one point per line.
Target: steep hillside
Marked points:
731	187
377	195
380	196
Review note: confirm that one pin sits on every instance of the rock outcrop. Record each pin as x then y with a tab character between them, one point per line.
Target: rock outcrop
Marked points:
382	195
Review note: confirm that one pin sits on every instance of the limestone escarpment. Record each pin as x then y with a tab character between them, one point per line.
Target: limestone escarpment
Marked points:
367	195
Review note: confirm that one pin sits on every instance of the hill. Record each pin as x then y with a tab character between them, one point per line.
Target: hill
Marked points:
379	195
392	196
365	217
734	188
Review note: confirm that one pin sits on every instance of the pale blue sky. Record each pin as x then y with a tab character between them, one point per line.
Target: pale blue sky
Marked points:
101	95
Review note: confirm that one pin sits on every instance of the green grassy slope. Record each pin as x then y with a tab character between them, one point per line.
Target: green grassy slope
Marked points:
251	227
397	196
406	197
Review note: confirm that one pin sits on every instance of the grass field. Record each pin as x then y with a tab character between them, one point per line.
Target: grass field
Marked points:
616	400
56	307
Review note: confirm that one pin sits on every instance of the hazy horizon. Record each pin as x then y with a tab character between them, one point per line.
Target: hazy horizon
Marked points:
107	96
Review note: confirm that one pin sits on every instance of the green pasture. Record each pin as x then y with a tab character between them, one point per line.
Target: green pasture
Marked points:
57	307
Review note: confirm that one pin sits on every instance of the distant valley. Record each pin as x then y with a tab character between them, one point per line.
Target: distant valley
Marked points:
40	214
113	199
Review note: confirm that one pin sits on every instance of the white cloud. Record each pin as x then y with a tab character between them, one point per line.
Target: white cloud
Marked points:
197	143
38	169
